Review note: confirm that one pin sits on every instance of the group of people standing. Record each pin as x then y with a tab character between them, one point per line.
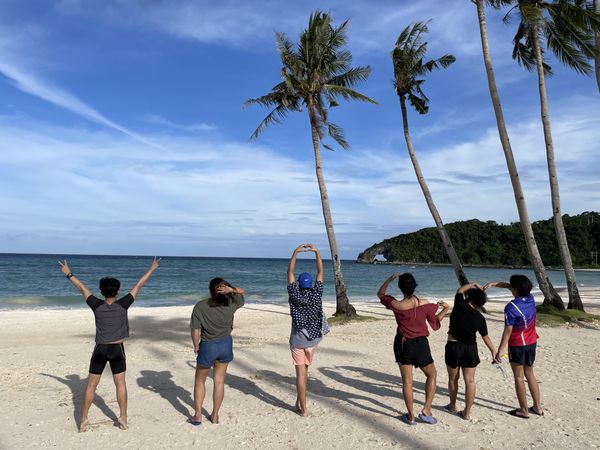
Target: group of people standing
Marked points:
212	319
411	346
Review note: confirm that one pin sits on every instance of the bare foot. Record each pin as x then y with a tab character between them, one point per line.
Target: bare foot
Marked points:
300	411
122	423
214	418
83	426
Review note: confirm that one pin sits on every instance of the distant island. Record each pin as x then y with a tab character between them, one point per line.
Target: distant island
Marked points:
492	244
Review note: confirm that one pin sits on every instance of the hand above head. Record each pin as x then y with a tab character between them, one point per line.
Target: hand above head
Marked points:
224	290
443	304
311	248
155	262
301	248
489	285
64	267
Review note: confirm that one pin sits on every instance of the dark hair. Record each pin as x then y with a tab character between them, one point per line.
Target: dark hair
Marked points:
218	299
521	284
407	283
109	286
476	296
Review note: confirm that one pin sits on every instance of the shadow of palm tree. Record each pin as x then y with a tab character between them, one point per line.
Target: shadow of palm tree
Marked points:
77	386
162	383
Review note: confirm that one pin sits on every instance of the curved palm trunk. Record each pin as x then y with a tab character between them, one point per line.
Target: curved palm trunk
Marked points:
551	297
454	260
597	37
561	236
343	305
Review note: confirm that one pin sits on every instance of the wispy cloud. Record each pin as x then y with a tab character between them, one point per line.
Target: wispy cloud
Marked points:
14	66
155	119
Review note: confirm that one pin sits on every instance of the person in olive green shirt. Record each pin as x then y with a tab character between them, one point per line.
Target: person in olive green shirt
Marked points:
211	325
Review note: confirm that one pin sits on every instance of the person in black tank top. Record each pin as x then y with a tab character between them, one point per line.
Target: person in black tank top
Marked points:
112	327
461	349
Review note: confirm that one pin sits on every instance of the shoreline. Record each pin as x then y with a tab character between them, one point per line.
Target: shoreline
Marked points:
475	266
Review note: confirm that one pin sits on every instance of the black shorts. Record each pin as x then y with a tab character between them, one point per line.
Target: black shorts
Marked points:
111	353
461	355
522	355
412	351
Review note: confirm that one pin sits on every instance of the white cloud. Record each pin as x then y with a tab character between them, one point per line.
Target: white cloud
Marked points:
155	119
81	191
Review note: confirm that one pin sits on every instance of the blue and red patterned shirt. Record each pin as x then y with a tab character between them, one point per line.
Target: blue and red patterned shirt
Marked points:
520	314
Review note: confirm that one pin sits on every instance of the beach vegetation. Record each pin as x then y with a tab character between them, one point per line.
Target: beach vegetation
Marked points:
551	296
566	28
410	68
316	74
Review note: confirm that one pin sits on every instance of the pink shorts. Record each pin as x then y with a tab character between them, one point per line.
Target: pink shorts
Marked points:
303	356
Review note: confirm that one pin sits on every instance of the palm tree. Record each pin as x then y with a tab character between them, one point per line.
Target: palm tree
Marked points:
566	27
551	297
316	72
596	6
409	68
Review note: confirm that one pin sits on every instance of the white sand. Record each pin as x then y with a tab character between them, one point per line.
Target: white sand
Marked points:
354	399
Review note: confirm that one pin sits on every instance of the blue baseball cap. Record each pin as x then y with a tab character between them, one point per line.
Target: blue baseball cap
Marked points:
305	280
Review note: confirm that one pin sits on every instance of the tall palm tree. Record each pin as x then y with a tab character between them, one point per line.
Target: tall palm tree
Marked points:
596	6
551	297
566	27
316	72
409	68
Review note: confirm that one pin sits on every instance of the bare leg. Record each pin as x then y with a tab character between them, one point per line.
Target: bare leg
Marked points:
119	380
88	398
301	382
519	375
453	377
199	392
218	390
534	389
430	386
406	370
470	390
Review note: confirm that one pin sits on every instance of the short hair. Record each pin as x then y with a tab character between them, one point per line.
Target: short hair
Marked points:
407	283
521	284
476	296
109	287
217	299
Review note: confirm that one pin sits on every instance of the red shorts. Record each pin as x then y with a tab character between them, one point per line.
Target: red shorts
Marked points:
303	356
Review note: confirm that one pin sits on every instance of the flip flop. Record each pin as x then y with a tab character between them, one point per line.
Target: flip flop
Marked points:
514	413
194	422
461	414
533	411
406	420
430	420
447	408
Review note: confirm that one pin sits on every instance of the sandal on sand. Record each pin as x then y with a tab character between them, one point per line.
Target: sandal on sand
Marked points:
449	409
533	411
406	420
194	422
461	414
430	420
515	413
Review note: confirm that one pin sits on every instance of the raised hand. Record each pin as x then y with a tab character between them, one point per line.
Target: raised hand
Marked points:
224	289
311	248
488	285
443	304
155	262
64	267
301	248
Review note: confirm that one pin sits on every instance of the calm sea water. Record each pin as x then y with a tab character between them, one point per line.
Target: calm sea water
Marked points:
35	281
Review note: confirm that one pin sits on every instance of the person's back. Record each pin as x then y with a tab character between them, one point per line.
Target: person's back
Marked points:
520	313
216	321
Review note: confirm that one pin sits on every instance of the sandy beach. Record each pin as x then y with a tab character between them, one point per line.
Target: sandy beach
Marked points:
354	387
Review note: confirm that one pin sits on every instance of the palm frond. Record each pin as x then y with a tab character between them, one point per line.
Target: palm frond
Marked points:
337	134
347	93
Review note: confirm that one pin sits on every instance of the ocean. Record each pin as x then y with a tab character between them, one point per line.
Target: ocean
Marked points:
35	281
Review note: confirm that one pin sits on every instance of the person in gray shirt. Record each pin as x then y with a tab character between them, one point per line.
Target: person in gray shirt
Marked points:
112	327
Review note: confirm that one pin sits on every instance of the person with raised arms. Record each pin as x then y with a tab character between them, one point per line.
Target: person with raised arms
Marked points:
521	336
411	347
112	327
308	320
211	325
461	351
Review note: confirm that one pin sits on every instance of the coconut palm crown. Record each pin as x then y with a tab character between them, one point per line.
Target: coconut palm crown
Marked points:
409	66
316	73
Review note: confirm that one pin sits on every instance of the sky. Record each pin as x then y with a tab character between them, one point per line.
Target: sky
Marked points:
122	130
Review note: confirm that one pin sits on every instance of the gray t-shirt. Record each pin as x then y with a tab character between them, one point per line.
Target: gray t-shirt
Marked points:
112	323
215	322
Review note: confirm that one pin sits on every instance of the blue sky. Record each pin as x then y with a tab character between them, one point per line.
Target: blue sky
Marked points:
122	132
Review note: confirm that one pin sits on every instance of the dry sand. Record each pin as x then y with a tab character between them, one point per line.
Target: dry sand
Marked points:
354	401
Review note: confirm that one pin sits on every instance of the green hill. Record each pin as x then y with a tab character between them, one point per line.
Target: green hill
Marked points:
489	243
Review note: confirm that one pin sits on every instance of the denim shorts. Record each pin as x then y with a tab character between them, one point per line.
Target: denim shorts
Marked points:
218	350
